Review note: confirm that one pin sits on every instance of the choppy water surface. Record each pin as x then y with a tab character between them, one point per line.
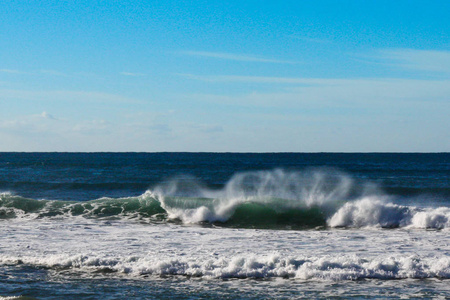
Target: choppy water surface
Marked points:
250	226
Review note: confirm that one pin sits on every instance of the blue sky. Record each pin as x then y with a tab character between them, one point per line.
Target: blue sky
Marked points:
241	76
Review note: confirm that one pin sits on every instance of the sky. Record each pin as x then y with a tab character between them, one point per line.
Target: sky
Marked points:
225	76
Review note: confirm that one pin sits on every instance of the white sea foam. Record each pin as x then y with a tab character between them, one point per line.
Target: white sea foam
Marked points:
432	218
327	267
133	249
374	212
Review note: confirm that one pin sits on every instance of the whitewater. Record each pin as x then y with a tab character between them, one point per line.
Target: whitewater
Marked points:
276	233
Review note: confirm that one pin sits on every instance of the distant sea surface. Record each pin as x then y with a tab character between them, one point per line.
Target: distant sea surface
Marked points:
224	225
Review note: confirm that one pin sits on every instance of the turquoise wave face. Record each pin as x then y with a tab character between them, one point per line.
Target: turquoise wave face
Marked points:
255	215
15	206
245	215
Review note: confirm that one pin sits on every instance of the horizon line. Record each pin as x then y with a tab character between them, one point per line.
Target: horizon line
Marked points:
222	152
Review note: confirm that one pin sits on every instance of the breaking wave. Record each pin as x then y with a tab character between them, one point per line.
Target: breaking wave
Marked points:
264	199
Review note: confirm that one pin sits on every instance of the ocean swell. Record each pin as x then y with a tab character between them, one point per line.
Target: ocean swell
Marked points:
274	199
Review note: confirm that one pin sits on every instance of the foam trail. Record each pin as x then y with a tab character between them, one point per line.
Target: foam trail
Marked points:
328	267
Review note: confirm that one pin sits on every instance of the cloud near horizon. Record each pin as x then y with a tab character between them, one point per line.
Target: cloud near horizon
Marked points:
424	60
319	91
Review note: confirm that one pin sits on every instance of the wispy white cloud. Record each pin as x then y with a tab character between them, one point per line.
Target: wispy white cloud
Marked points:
40	72
358	89
29	124
54	73
413	59
64	95
132	74
328	93
311	40
252	79
11	71
93	127
39	132
236	57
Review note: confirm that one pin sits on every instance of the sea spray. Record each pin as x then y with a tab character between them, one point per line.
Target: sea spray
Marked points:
277	190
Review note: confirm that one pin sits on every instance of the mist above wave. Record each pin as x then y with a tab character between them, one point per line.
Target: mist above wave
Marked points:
277	190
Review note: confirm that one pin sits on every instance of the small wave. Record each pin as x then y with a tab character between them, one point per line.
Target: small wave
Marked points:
12	206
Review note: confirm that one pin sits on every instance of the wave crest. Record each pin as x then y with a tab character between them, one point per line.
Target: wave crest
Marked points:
370	212
277	190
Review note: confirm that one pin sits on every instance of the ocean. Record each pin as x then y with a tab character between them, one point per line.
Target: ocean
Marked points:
224	225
